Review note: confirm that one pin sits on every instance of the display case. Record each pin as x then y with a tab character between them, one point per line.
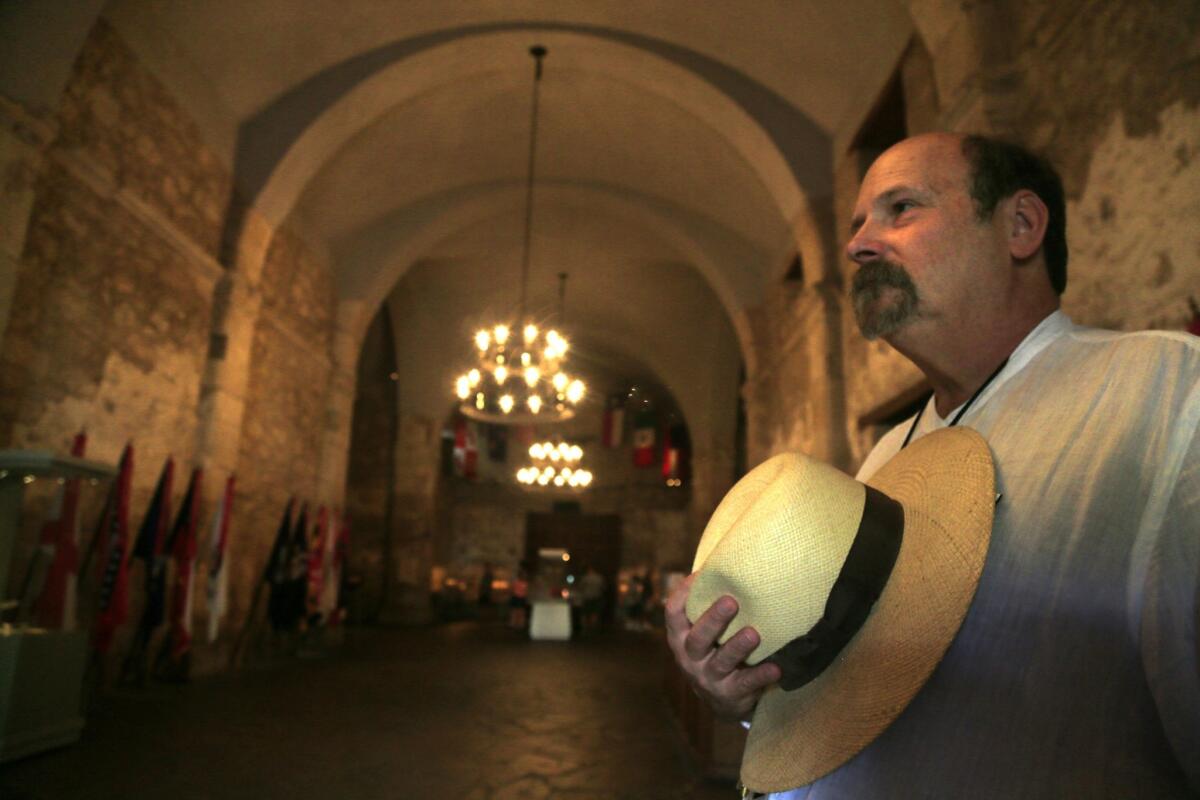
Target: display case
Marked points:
41	669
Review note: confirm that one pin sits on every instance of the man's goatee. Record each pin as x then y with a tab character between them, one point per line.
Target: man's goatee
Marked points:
876	315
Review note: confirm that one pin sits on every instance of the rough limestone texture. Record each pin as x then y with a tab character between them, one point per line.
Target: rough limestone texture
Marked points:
113	296
1110	93
117	115
113	307
372	456
285	399
1133	233
108	332
109	326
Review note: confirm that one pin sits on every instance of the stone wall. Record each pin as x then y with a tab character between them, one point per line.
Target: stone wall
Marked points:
110	315
285	401
486	522
112	307
1110	93
112	298
415	495
372	455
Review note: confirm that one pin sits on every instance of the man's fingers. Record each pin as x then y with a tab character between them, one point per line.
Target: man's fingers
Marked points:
708	628
733	652
674	610
758	677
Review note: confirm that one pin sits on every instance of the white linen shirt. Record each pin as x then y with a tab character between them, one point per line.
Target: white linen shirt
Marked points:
1075	672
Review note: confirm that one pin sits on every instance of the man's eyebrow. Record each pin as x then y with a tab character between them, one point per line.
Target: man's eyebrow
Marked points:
887	196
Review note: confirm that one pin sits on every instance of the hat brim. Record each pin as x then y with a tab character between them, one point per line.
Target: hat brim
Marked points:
946	483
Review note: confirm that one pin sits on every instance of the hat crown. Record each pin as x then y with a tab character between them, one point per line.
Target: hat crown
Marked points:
776	543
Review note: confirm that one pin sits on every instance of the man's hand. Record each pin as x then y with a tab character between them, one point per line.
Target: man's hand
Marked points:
717	673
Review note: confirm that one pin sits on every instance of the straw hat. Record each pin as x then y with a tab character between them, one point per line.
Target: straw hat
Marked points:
778	542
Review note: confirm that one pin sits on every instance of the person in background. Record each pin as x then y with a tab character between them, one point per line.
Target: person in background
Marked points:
485	586
518	601
591	586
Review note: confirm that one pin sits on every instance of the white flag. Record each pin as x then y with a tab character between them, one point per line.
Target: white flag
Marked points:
218	572
331	571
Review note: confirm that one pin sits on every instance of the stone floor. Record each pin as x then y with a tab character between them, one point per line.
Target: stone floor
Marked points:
468	711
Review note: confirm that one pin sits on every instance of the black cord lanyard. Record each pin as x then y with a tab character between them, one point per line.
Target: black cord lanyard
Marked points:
961	411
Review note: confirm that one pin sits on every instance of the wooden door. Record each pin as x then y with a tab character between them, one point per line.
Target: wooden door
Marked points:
590	540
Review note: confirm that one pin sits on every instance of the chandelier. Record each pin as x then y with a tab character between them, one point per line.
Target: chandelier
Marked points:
555	465
519	374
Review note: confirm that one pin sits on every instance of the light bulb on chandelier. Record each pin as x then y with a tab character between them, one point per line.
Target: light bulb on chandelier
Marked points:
541	390
555	464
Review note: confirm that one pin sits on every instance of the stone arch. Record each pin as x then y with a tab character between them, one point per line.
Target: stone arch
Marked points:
302	128
395	264
417	229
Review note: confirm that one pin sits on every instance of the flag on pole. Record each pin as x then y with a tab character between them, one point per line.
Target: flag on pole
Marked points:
337	546
670	462
297	580
114	562
613	427
466	451
644	424
151	548
276	572
183	550
675	453
218	575
316	564
55	606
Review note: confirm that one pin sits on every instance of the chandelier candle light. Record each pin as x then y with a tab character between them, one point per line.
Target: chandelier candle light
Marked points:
519	376
555	465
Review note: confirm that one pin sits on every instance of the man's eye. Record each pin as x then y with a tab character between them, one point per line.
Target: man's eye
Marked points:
900	206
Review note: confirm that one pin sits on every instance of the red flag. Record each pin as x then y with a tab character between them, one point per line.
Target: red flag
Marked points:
614	421
676	455
336	563
643	438
183	549
466	453
55	607
670	462
1194	326
114	561
316	562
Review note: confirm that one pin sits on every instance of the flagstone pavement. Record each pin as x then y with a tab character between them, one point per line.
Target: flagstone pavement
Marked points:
468	710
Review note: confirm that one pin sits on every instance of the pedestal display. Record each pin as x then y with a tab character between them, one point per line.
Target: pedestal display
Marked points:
550	619
41	671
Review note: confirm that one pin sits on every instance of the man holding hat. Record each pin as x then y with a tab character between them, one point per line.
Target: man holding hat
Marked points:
1011	613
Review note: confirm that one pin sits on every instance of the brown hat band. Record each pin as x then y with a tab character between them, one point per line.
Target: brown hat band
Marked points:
862	578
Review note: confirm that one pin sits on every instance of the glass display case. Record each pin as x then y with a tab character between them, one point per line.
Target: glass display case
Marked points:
42	666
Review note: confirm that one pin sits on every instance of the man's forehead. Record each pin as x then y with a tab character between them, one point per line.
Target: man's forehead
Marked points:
930	163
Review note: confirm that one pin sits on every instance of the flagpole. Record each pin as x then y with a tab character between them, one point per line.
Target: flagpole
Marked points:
281	537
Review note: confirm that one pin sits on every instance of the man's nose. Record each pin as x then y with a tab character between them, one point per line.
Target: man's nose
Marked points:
863	247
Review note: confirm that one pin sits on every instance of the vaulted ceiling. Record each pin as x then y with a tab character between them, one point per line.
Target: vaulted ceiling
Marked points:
679	144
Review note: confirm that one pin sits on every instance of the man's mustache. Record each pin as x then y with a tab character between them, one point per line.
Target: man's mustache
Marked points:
876	275
870	283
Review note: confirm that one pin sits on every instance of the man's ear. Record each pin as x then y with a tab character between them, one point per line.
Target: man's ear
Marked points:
1028	217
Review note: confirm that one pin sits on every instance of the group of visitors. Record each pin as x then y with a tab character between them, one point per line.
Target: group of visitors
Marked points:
636	603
